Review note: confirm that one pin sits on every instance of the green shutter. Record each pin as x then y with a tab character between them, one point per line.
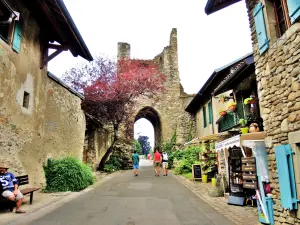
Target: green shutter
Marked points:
204	117
261	32
210	112
16	45
294	9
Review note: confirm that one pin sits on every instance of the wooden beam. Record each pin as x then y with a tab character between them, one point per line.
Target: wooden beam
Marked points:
52	20
52	56
53	46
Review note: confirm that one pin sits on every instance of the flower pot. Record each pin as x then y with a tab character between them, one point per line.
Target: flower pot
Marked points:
253	128
213	182
232	108
223	113
245	130
204	178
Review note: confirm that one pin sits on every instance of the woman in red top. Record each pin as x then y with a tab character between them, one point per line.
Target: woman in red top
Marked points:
157	161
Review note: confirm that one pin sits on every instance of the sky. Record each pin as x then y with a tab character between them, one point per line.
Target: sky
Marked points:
204	42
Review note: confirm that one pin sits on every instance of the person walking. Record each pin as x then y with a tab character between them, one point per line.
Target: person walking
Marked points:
165	165
136	161
157	162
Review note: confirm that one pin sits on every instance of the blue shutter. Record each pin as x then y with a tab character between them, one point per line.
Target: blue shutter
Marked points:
294	9
16	45
210	113
204	117
261	32
286	177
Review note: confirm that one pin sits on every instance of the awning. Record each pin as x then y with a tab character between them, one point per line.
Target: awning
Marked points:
247	140
210	137
230	142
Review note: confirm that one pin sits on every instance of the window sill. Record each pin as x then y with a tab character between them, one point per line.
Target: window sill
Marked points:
287	35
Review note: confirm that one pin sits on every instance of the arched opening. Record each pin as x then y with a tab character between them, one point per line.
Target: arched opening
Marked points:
144	134
146	123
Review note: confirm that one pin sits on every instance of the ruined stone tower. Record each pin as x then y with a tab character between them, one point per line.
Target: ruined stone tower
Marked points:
167	112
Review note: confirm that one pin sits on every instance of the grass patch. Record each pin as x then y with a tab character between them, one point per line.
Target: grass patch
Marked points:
188	175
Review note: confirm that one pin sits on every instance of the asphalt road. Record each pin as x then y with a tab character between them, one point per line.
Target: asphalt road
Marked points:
142	200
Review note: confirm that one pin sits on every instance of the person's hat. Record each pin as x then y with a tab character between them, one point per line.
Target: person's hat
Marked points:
4	165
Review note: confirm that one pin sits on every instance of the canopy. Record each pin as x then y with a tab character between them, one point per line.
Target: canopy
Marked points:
248	140
230	142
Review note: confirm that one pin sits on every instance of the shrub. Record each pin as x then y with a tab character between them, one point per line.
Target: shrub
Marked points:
114	163
186	157
67	174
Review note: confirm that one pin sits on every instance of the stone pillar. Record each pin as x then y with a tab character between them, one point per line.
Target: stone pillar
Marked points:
123	51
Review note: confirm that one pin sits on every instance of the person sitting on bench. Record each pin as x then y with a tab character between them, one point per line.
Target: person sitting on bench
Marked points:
10	188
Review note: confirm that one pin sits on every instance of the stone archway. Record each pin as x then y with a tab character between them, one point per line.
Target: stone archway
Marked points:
166	112
152	116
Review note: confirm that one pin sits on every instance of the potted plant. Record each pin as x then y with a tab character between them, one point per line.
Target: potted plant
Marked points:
232	106
244	128
222	112
205	170
250	100
213	181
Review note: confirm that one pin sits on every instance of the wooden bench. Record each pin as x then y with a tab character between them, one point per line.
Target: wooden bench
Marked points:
22	180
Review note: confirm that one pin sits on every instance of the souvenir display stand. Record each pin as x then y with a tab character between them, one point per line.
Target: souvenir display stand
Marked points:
264	202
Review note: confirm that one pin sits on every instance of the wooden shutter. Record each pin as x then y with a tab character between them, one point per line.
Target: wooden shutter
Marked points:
286	177
294	10
204	117
261	32
16	45
210	113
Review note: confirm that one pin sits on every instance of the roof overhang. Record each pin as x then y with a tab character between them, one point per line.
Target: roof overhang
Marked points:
57	25
215	5
208	89
239	72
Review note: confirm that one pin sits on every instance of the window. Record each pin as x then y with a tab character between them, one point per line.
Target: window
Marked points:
26	99
10	26
204	117
210	113
5	21
281	16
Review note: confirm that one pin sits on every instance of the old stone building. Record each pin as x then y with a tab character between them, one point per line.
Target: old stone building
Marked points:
39	118
275	29
166	113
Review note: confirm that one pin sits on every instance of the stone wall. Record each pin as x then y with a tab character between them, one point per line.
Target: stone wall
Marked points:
278	77
50	124
170	105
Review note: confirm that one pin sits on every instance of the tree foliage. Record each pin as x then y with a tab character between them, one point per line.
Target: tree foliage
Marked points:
110	89
145	144
138	147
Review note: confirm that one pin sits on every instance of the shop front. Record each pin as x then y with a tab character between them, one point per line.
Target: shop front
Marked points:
243	161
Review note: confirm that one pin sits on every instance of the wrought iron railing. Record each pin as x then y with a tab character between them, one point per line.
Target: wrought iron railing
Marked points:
231	119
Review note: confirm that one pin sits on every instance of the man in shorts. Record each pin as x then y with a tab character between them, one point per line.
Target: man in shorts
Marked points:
10	187
165	159
157	162
136	160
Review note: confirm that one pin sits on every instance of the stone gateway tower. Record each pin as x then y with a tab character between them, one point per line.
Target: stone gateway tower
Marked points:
166	112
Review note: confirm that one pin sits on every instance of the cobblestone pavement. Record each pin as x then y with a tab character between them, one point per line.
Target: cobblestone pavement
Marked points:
237	214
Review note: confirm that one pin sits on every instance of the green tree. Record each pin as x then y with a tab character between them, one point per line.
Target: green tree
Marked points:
137	147
145	144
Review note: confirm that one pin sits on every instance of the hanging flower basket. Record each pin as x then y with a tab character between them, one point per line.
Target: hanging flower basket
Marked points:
232	108
223	113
